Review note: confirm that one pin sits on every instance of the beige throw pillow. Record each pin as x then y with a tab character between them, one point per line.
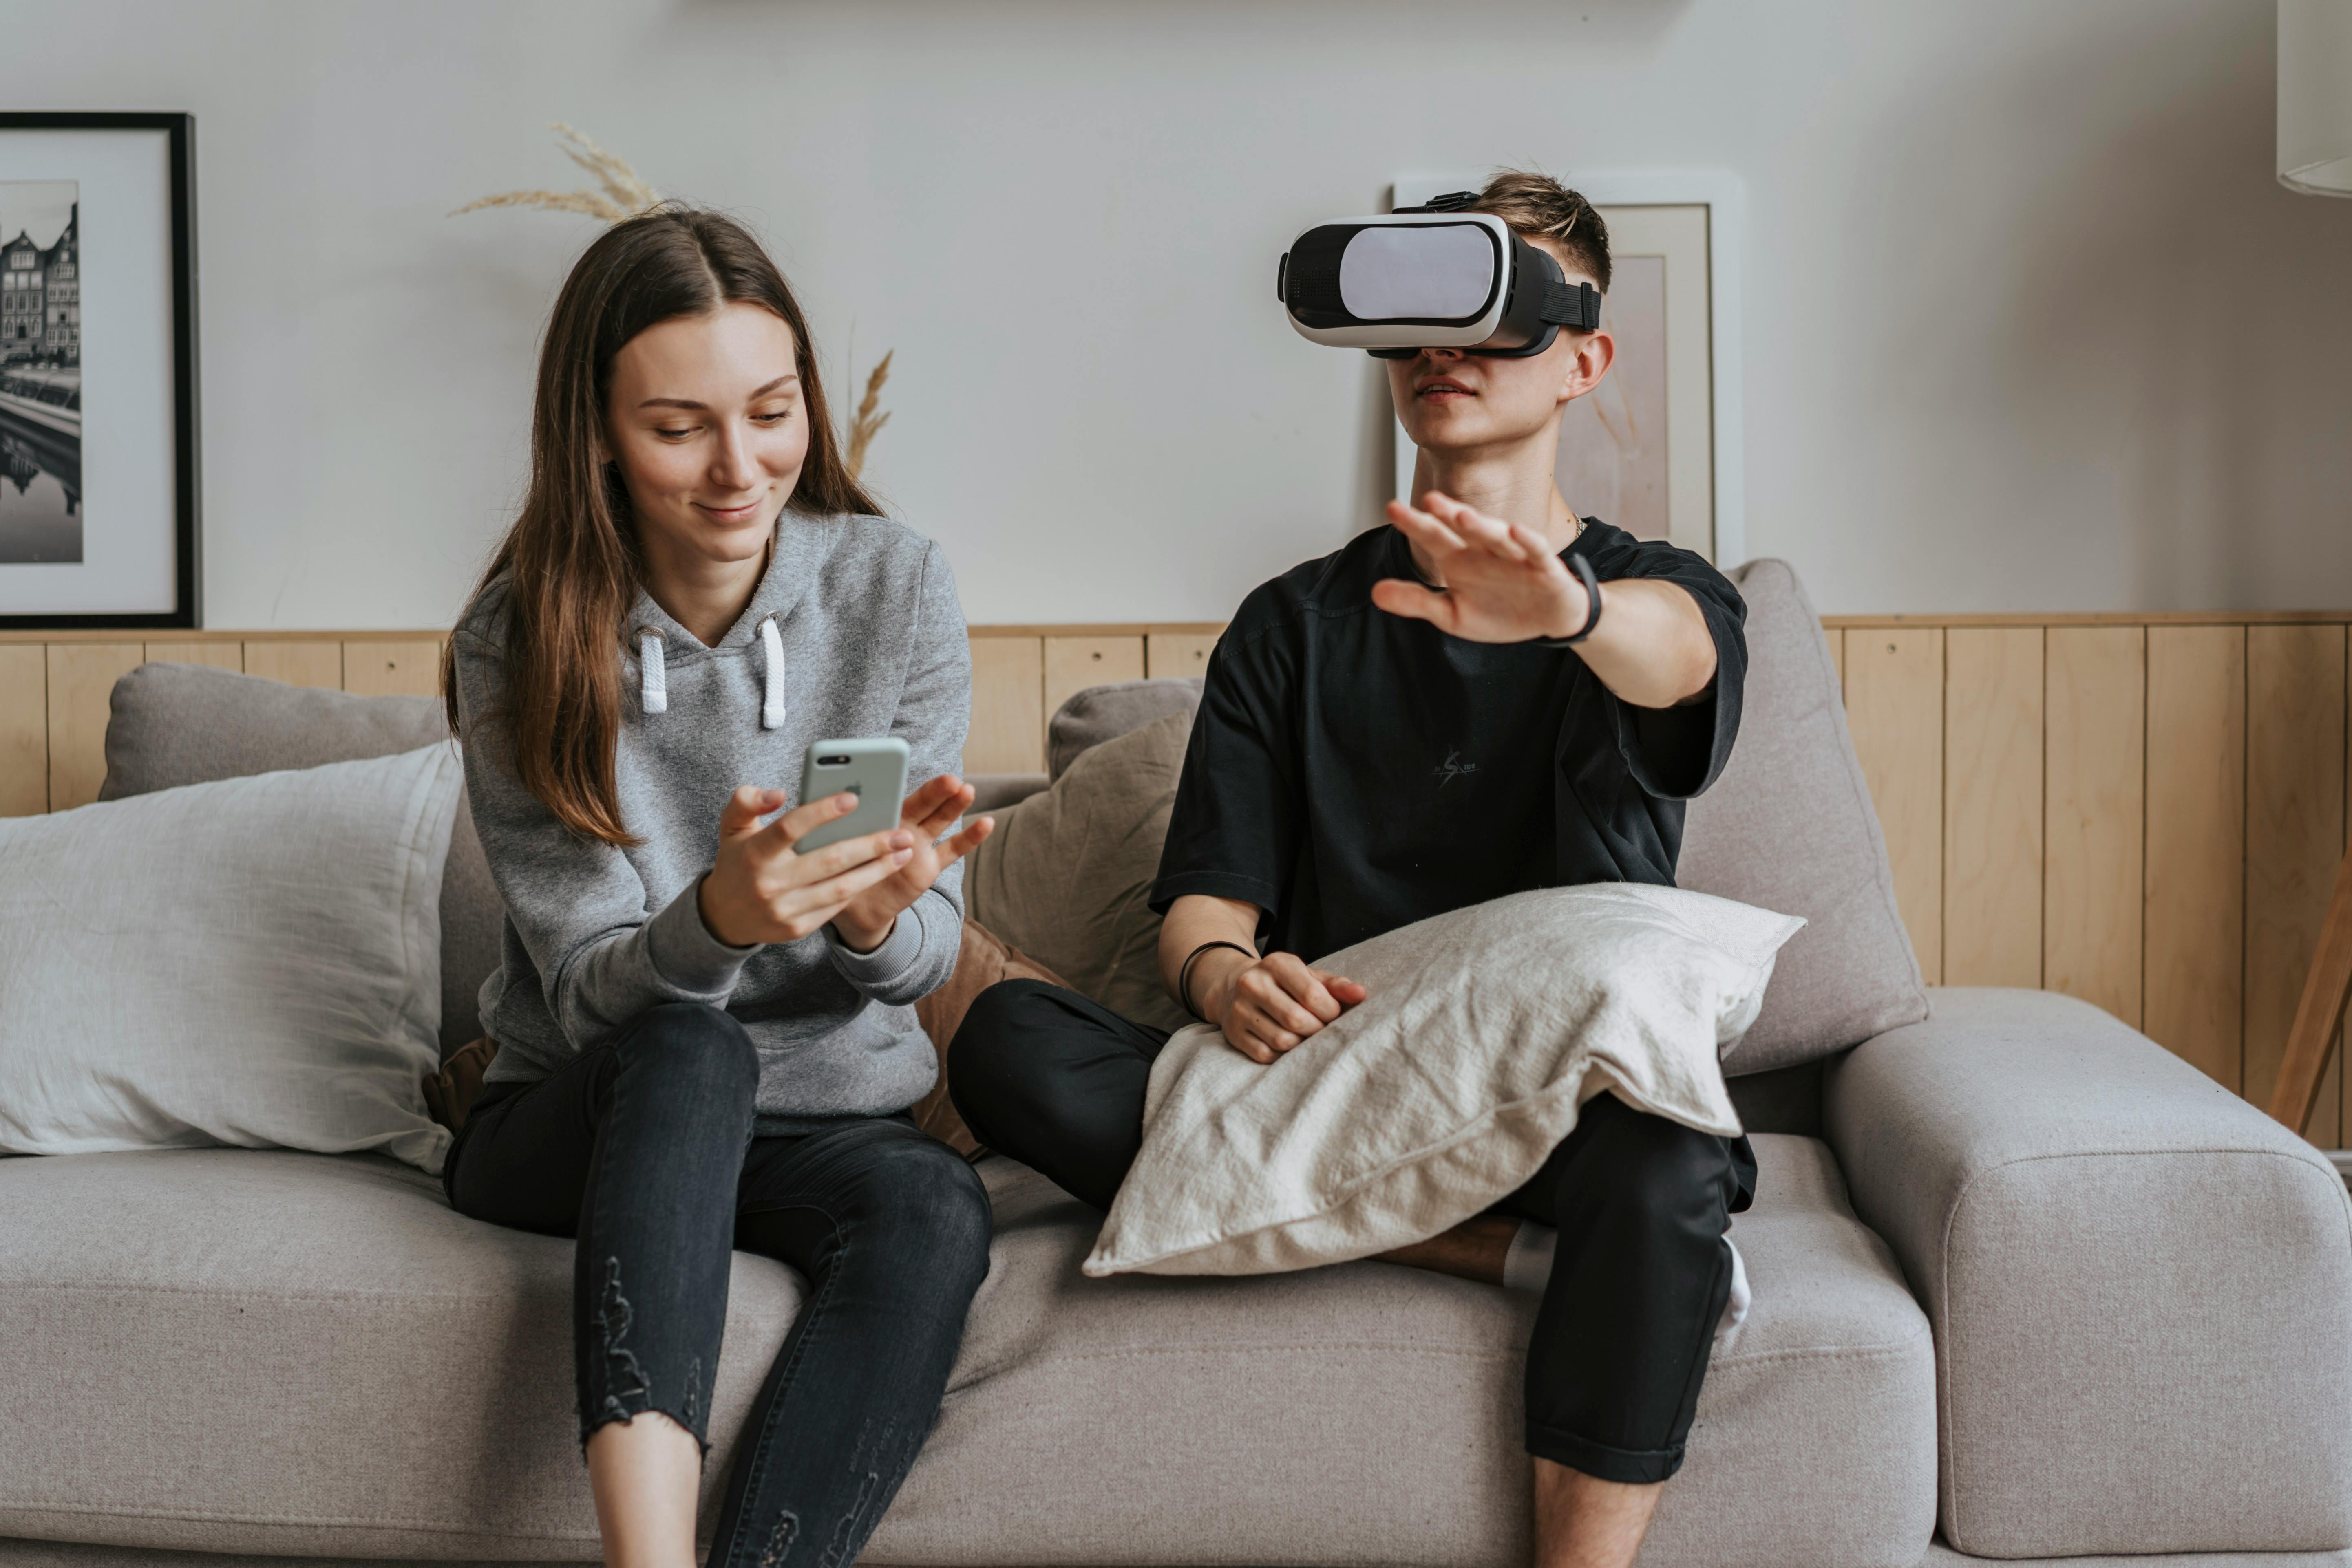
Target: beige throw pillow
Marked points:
1446	1089
1065	876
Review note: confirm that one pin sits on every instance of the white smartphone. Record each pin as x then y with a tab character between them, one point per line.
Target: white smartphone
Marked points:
873	770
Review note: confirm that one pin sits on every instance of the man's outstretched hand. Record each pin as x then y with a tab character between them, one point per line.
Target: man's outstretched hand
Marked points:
1503	582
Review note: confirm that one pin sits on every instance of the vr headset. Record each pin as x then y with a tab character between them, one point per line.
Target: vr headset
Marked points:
1432	277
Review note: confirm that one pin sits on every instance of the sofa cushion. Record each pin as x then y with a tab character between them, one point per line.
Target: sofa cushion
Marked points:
312	1355
1066	876
1106	712
309	1354
1788	826
1367	1413
249	961
187	724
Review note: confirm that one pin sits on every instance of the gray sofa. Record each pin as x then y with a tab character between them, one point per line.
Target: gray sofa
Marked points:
2027	1287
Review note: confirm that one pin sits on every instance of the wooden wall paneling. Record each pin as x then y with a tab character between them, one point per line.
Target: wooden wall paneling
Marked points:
1176	655
24	730
387	668
1895	708
1008	707
1992	806
80	677
1074	663
2194	990
219	656
2094	814
2295	841
1837	653
298	663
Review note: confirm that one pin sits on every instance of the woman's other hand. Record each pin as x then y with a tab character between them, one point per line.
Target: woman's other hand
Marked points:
929	811
758	890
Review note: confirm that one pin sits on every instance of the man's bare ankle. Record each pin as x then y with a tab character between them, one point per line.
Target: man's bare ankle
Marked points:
1473	1249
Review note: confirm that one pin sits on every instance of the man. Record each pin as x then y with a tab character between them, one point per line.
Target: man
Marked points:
1436	715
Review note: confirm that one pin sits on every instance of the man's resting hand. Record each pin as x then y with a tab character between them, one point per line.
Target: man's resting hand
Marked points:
1268	1007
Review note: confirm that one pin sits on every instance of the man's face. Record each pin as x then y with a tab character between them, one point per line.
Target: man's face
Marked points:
1453	403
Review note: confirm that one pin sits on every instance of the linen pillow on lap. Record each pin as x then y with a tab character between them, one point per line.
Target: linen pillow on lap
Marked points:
253	962
1447	1088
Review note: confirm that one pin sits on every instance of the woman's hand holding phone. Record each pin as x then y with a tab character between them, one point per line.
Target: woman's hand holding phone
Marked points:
758	890
926	813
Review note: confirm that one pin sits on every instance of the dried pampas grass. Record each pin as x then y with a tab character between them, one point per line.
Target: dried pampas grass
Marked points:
867	422
623	194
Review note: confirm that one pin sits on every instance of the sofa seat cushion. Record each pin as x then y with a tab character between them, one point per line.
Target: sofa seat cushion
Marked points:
244	1351
239	1351
1367	1413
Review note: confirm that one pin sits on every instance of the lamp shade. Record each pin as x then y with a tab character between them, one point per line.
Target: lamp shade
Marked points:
2314	97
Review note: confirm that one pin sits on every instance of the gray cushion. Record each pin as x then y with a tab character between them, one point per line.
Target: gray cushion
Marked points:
1790	827
267	1352
1066	876
1366	1413
1106	712
2142	1285
187	724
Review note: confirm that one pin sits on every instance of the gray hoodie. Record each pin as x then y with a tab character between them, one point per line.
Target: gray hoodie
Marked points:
854	632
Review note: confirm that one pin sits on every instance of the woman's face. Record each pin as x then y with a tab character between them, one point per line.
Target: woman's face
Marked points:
705	421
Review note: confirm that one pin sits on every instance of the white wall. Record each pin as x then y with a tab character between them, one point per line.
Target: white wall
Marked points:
2029	324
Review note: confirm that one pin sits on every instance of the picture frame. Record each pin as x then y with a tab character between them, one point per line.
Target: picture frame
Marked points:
1659	447
99	492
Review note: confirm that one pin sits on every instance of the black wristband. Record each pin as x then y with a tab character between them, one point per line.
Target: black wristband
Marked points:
1583	570
1184	973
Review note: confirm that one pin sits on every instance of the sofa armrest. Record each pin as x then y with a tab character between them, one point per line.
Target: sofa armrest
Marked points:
2140	1286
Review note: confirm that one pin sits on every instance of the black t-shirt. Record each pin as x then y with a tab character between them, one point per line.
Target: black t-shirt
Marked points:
1352	771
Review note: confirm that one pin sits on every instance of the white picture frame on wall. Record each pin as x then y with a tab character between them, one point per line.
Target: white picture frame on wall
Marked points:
1658	448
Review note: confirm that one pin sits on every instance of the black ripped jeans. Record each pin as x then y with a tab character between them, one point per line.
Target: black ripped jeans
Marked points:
1639	1276
642	1149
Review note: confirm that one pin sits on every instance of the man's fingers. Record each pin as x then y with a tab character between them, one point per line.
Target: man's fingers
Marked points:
1237	1035
1478	529
745	808
1344	991
1420	526
1414	602
1269	990
1306	986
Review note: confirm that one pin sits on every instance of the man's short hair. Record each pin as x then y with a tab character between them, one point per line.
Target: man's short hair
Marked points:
1538	207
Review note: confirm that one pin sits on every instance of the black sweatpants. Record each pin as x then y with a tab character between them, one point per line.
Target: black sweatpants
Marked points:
1639	1279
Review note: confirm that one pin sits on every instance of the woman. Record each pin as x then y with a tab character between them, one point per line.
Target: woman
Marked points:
706	1039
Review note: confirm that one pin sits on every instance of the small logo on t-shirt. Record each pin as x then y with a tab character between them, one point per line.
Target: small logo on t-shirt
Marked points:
1452	767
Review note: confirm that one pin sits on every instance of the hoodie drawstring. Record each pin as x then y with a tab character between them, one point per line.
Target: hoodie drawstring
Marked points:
771	701
653	674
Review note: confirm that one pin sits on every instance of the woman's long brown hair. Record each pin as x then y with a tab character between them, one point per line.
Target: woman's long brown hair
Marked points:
572	560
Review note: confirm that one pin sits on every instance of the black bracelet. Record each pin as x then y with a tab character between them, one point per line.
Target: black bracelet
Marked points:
1583	570
1184	973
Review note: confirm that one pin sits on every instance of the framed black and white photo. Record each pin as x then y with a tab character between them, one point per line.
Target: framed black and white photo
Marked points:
98	370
